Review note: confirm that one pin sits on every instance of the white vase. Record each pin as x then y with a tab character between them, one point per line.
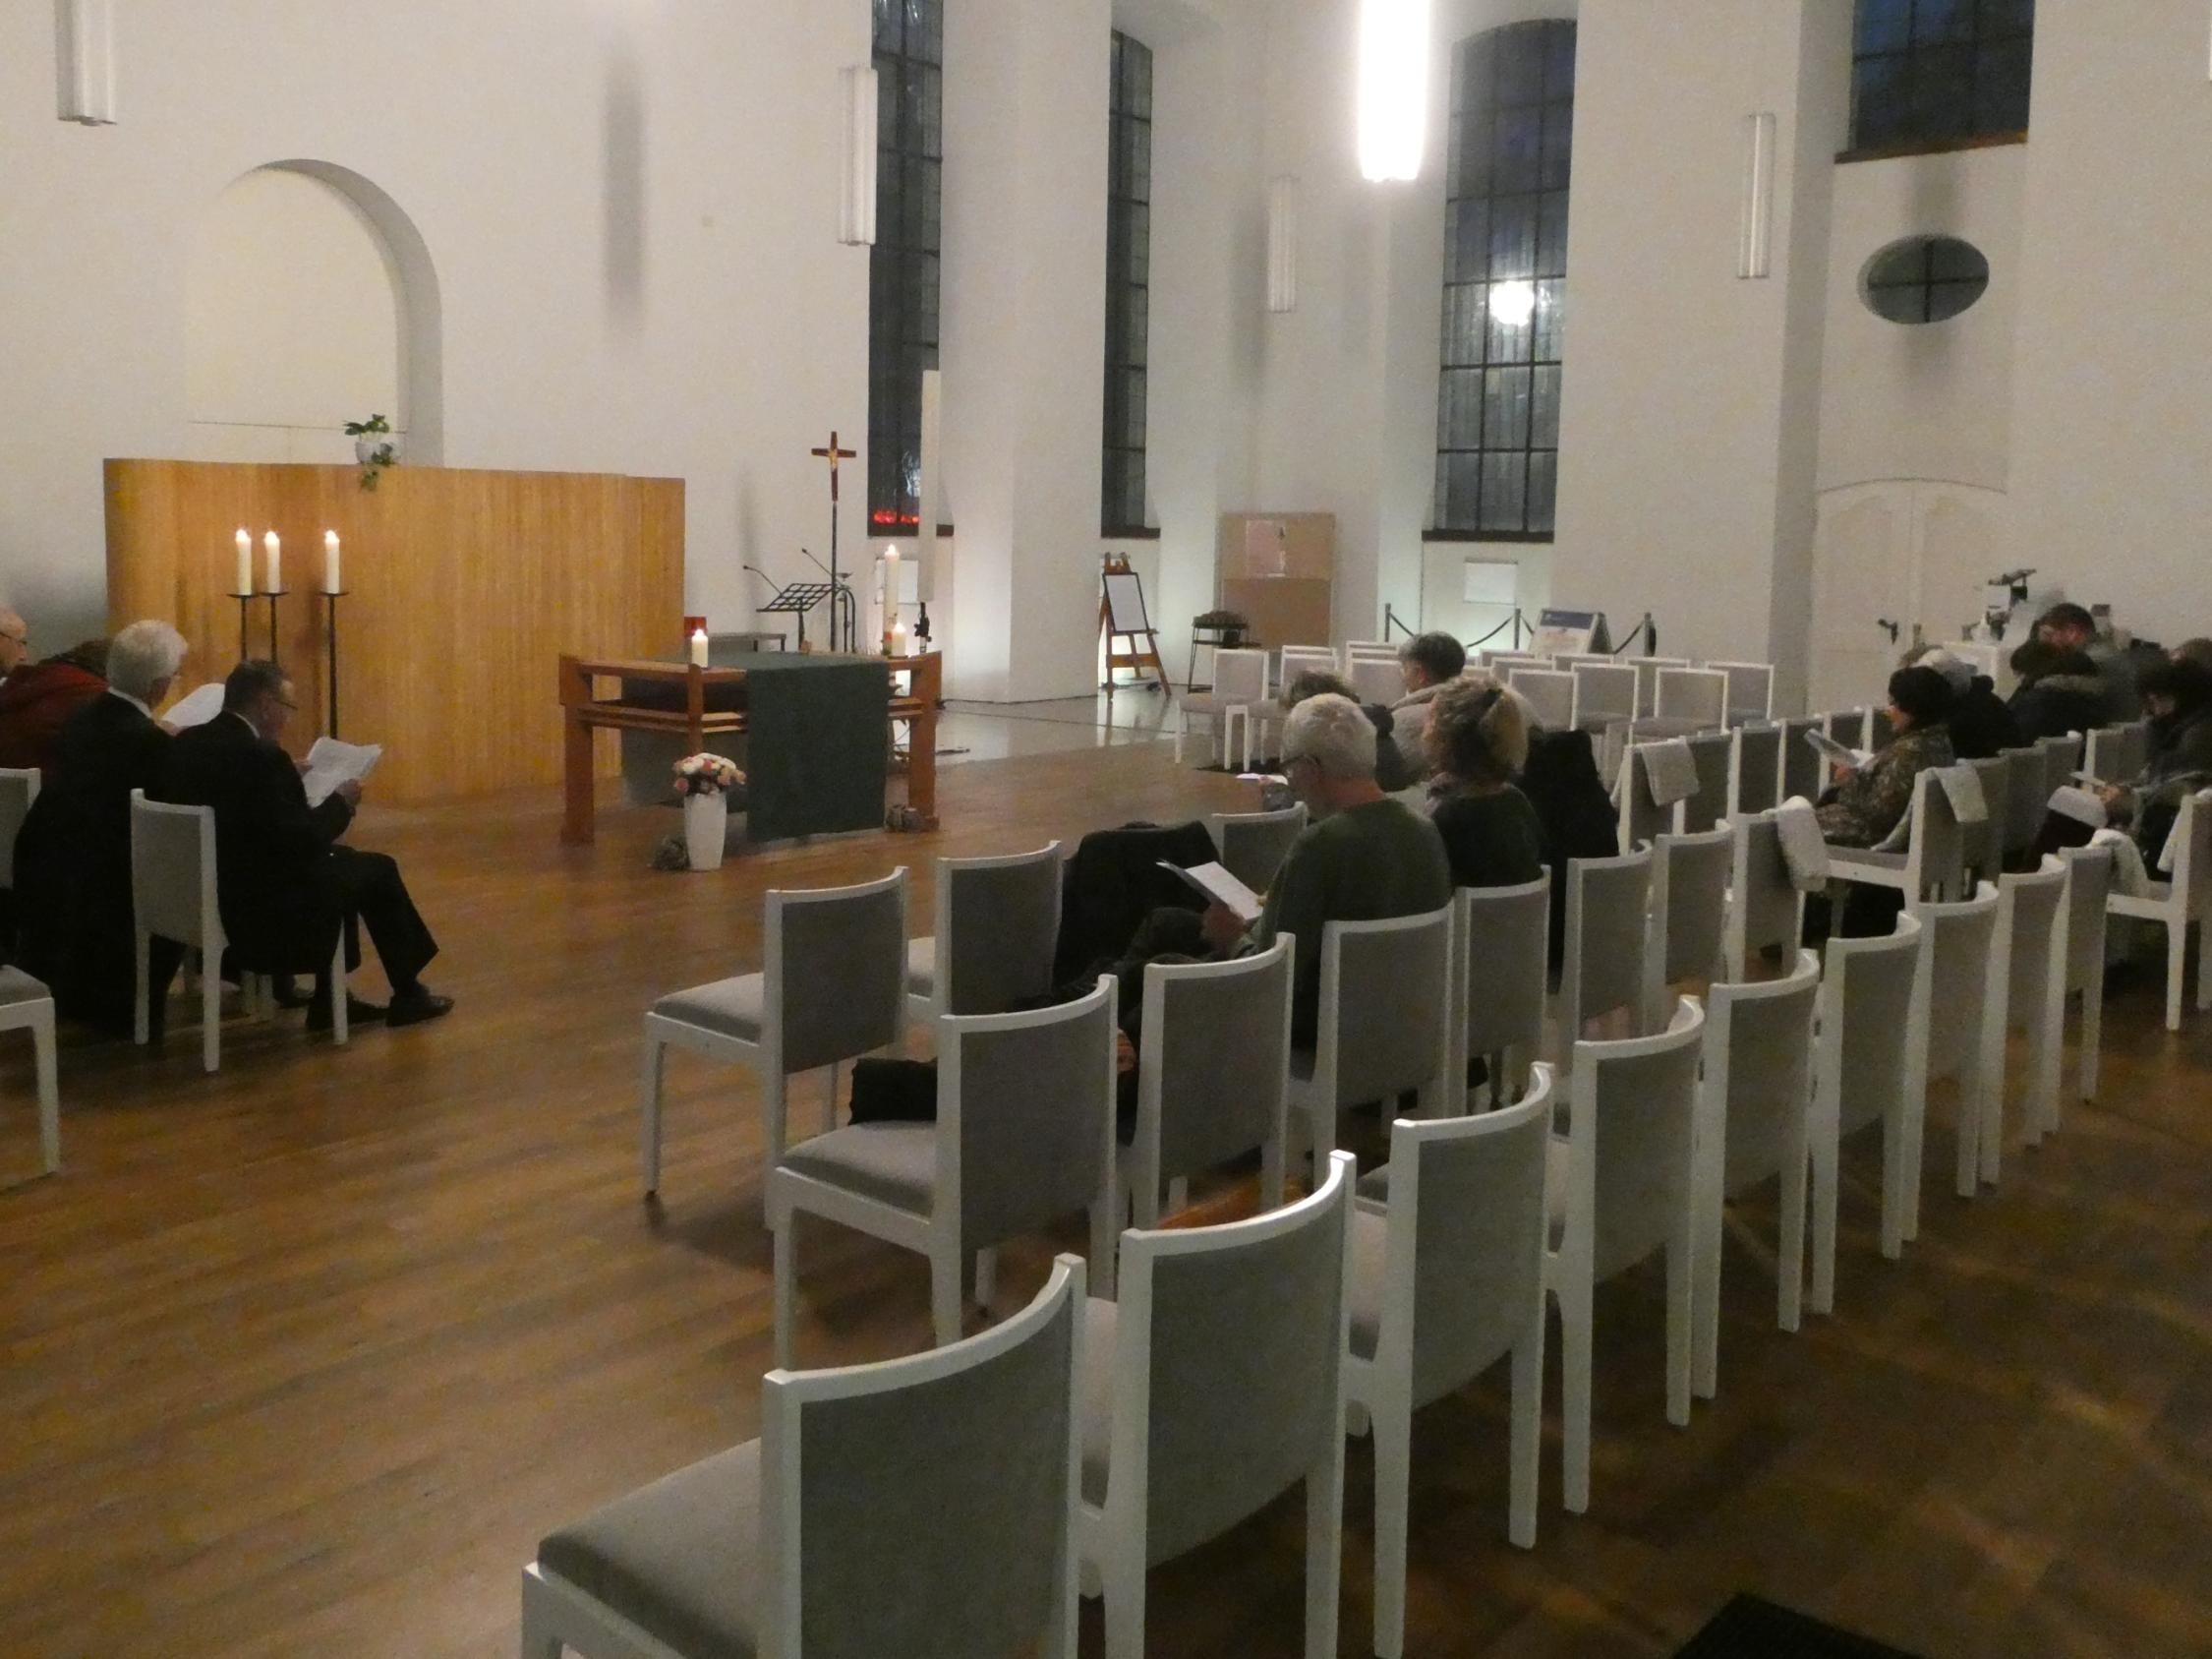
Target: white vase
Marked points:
365	447
706	824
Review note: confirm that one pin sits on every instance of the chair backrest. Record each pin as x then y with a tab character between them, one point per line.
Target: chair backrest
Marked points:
1568	661
1880	728
1632	1142
1935	865
1214	1072
2193	860
1750	693
1711	753
173	872
1253	845
1874	1021
1305	658
1505	958
1755	770
953	1475
2135	749
1603	692
1550	695
1463	1257
1601	969
1766	908
1240	675
1986	841
834	970
1692	693
2101	758
998	923
2028	796
2062	758
2088	888
1647	678
1689	904
1024	1115
1369	648
1386	988
1803	771
17	790
1228	1356
1376	679
1759	1072
1642	819
1853	728
2032	922
1502	660
1962	945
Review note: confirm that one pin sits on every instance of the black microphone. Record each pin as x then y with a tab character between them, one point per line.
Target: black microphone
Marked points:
818	565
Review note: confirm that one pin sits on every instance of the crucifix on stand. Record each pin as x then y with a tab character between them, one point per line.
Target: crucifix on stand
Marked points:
833	454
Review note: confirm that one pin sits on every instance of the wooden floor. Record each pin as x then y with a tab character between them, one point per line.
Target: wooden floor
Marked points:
301	1359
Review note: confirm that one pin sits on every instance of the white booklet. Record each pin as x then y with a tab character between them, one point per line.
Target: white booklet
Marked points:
1213	882
331	763
195	709
1839	753
2080	804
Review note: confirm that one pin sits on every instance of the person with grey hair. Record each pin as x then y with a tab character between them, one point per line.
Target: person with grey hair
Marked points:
1429	662
73	858
1365	858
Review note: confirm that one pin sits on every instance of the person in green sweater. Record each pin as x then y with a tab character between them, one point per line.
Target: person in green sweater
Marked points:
1366	857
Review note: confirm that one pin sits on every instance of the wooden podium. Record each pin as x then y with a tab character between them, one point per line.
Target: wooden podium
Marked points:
462	587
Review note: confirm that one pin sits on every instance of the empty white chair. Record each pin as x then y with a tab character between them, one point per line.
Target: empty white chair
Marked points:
1498	661
1622	1187
1648	669
2177	903
1568	661
1024	1135
1448	1278
1754	1118
1643	820
2088	892
1601	965
1216	1384
19	788
26	1005
1880	728
1750	691
1755	770
1386	988
1253	845
1692	693
1240	681
1711	753
1550	695
831	987
952	1475
1212	1078
2133	749
2062	758
1305	658
1870	1066
1966	1022
1500	962
1369	648
2031	953
1766	907
1376	679
1852	728
1804	772
1689	915
998	925
1604	691
1985	842
2028	800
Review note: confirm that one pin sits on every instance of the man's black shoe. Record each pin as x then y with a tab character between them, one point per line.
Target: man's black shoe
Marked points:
358	1013
413	1006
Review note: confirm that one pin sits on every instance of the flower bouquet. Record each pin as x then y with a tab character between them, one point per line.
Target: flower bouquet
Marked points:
704	781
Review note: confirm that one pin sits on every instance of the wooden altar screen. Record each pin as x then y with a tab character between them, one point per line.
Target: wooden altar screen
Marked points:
462	587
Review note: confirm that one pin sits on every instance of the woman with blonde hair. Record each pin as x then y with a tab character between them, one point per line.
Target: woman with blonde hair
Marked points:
1477	743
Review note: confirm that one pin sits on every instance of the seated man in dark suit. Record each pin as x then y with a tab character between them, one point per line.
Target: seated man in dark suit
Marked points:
284	883
73	858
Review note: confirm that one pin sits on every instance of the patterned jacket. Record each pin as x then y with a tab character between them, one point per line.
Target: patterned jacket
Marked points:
1872	801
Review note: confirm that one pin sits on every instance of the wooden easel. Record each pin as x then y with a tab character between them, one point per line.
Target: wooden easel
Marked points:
1122	617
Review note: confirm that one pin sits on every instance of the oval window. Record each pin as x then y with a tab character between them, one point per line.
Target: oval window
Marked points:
1924	279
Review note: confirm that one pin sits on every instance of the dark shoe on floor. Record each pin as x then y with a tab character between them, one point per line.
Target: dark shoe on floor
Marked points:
286	992
413	1007
358	1013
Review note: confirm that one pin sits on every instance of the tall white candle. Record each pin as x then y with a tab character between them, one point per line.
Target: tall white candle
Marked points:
330	583
275	551
699	648
245	564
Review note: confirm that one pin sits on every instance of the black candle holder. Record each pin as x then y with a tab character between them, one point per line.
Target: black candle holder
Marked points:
273	598
330	652
245	605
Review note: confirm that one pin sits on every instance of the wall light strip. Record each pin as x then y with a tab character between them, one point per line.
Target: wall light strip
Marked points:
1755	253
1282	245
1393	84
85	61
856	207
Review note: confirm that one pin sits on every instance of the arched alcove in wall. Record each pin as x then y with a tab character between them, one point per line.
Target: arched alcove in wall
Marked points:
311	299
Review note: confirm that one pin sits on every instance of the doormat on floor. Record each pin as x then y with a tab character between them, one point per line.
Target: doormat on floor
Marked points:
1749	1627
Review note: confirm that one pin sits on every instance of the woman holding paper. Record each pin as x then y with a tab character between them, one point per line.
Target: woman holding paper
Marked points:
2177	696
1868	801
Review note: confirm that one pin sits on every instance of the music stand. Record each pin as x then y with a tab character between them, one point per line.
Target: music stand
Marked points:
796	600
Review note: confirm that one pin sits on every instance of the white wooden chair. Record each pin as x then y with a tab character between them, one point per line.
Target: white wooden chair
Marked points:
2027	802
1755	1111
1966	1044
1369	648
998	926
1262	722
2031	953
953	1475
26	1005
1384	1032
1853	728
1604	691
1240	682
1497	662
1500	963
1931	866
2175	904
1550	695
1869	1067
1025	1136
1804	772
1601	963
1448	1278
1216	1384
1688	915
1692	693
831	987
1307	659
1622	1187
2089	872
1766	907
1648	670
1750	693
1376	679
1713	753
1253	845
1643	820
1755	769
1986	841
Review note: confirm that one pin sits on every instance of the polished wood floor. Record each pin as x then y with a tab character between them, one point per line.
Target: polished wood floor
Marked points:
303	1358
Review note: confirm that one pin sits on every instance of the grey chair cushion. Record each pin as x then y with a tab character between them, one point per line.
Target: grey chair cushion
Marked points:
1100	1324
921	967
1556	1159
1302	1063
1371	1236
733	1008
1375	1185
894	1163
679	1557
16	986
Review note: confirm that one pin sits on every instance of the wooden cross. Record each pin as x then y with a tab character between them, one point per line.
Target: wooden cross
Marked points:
833	454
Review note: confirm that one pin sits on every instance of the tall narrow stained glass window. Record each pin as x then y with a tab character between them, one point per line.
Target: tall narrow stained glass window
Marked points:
1128	272
902	270
1940	72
